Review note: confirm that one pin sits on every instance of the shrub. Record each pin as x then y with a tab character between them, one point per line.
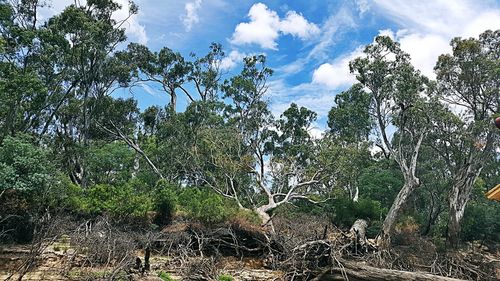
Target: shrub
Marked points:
165	203
225	277
120	200
24	166
204	205
165	276
481	221
110	163
482	217
343	211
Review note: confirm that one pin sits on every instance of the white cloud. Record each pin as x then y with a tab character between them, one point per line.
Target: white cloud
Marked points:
336	74
265	26
191	17
230	61
296	25
428	26
387	32
150	90
334	25
316	132
363	6
424	50
133	28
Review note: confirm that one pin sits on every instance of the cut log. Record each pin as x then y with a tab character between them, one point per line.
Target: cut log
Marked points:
356	271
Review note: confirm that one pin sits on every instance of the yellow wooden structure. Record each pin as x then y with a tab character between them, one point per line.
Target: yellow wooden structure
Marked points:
494	193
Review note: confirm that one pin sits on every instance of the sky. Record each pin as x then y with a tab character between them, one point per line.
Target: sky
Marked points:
307	43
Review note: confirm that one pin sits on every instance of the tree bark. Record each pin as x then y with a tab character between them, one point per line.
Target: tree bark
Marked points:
460	193
356	271
384	238
263	214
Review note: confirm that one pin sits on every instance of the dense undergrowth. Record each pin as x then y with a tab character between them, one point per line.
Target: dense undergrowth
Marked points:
154	205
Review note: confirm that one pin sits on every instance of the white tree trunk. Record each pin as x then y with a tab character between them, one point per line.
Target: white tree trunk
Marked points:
392	215
460	194
263	213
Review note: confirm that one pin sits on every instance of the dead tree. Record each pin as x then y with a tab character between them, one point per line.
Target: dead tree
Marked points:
356	271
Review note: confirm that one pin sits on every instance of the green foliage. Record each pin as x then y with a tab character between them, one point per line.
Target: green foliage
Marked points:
64	195
344	211
120	200
24	166
350	119
292	141
481	221
482	217
205	205
67	144
225	277
165	202
165	276
381	182
111	163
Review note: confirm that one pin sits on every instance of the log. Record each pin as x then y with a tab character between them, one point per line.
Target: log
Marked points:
357	271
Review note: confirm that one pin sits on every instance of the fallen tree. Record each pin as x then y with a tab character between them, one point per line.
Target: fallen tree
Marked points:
357	271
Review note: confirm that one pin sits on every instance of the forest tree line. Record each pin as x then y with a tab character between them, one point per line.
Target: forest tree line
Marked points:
401	150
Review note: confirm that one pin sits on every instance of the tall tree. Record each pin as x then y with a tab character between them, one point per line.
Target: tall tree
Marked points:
398	109
88	36
172	72
24	94
282	150
468	81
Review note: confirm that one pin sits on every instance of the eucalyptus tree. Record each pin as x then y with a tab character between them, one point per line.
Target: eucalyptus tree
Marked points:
172	72
344	150
281	150
468	82
206	73
349	119
84	38
24	94
398	108
166	68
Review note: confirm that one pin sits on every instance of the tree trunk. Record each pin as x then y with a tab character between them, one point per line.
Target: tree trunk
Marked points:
263	213
460	194
356	271
384	238
173	100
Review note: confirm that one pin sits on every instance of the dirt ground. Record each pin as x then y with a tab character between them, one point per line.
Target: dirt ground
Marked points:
53	265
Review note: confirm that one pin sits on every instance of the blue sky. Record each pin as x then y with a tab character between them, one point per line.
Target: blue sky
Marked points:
307	43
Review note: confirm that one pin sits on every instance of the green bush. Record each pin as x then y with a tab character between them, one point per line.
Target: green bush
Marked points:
120	200
481	221
110	163
26	176
225	277
204	205
343	211
165	276
23	166
165	203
